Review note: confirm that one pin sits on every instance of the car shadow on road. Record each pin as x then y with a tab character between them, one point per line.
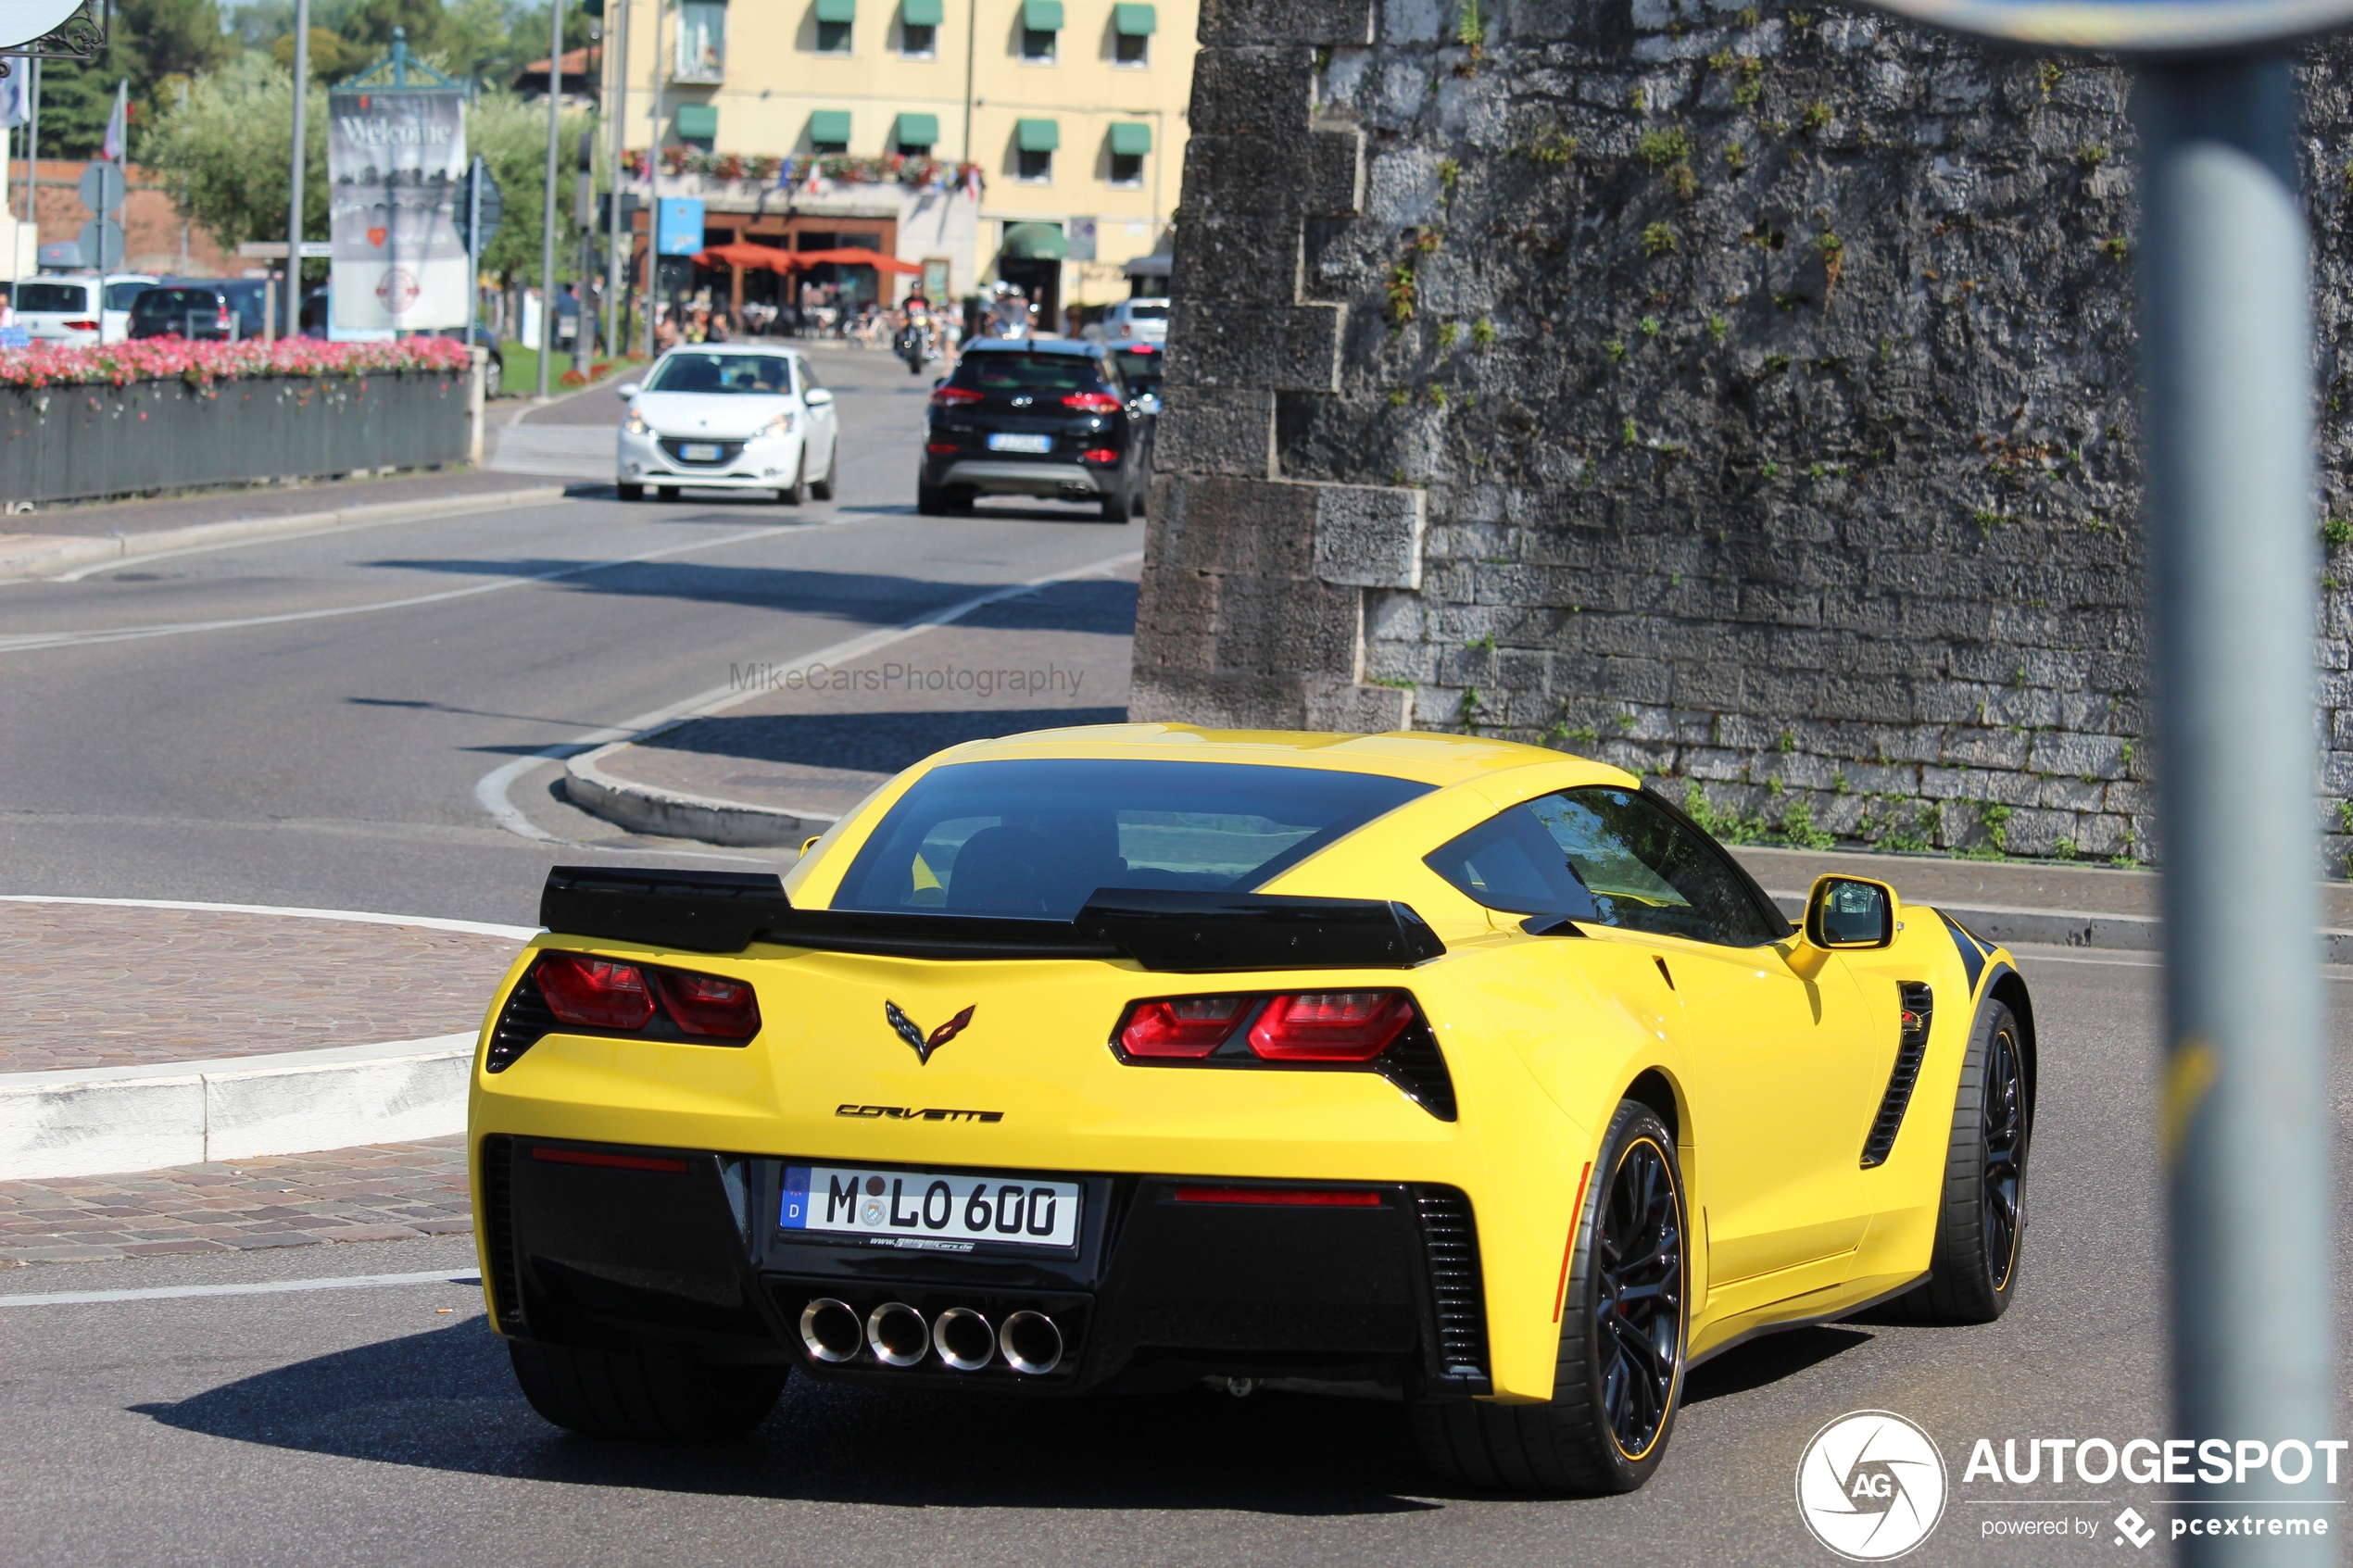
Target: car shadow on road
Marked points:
1769	1359
444	1400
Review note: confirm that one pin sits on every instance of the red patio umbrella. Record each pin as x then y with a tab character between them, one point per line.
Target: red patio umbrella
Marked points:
855	256
745	254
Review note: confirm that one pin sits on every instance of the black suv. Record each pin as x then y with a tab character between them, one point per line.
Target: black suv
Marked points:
207	309
1039	417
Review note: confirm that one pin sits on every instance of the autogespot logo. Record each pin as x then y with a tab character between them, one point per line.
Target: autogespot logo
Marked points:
1870	1485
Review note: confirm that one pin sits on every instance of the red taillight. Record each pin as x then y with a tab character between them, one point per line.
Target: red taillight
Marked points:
1183	1028
1284	1198
80	326
704	1004
595	992
223	321
950	397
1100	455
939	449
612	1161
1330	1025
1093	402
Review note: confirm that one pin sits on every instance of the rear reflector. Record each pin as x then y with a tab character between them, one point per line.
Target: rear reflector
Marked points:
939	449
1330	1025
1182	1028
1099	455
613	1162
595	992
1287	1198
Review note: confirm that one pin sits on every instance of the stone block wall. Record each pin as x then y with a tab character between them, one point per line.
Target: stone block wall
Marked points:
1743	396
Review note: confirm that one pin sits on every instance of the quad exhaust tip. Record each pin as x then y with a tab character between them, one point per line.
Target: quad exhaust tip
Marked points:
830	1330
898	1333
963	1339
1031	1343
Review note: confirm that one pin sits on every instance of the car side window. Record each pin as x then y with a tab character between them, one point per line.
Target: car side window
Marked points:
1648	871
1606	857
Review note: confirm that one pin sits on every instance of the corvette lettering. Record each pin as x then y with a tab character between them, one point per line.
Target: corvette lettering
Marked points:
929	1113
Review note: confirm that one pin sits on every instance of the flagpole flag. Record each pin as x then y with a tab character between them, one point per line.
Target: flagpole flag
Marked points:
113	147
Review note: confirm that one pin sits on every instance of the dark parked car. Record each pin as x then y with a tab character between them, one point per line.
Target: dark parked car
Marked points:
1141	364
1038	417
216	308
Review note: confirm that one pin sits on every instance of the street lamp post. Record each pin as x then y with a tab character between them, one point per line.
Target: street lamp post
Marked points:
293	191
547	344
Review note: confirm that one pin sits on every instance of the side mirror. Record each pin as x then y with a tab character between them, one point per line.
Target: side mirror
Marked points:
816	398
627	390
1847	911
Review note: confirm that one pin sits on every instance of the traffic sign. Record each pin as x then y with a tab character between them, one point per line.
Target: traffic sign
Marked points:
102	244
492	209
102	186
2130	27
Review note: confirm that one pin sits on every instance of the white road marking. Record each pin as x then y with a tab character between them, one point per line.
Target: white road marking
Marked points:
430	922
2030	954
26	642
490	791
269	1287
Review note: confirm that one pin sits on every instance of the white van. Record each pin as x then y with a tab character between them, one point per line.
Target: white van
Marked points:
1145	319
78	309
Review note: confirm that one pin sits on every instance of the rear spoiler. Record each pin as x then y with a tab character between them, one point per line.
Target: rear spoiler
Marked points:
1201	932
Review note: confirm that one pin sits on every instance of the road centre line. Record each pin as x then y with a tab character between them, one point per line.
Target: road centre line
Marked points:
490	790
29	641
269	1288
2028	955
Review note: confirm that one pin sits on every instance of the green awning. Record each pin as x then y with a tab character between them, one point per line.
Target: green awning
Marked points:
837	10
1133	21
1035	242
1041	16
1038	135
916	131
920	13
829	125
1129	139
698	121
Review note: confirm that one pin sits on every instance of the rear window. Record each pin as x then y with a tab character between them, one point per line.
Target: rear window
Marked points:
755	374
173	301
53	296
1027	373
1135	312
1141	367
119	296
1035	839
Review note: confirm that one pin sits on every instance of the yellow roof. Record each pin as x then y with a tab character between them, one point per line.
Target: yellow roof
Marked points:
1425	756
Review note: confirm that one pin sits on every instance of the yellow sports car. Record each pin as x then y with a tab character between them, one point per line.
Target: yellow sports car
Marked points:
1142	1055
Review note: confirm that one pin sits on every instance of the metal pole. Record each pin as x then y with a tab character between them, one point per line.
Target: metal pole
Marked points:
473	246
2225	287
653	191
972	44
294	191
617	59
547	344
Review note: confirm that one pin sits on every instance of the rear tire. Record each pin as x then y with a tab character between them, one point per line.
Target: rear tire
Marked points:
1618	1380
1981	1225
1115	508
648	1390
931	501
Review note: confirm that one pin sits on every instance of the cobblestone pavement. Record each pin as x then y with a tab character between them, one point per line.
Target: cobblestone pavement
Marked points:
384	1192
819	739
92	986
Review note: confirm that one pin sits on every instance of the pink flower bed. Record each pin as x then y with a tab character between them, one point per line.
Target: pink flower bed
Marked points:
202	363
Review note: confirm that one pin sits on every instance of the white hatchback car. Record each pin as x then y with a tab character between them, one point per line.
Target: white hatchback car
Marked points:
78	308
729	417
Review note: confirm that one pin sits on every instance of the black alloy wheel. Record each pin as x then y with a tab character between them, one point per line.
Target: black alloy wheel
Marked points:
1624	1326
1981	1223
1637	1298
2002	1142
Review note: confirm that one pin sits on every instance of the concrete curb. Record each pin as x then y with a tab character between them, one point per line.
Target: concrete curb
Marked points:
675	814
38	555
102	1120
2070	928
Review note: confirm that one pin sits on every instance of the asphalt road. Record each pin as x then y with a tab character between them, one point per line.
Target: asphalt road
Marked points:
370	1426
306	720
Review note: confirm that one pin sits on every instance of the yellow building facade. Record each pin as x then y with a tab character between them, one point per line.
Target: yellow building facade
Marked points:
1073	110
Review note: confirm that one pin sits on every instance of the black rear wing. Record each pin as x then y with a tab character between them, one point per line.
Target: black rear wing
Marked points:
1196	932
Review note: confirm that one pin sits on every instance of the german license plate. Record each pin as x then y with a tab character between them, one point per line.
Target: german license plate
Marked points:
922	1211
698	452
1005	442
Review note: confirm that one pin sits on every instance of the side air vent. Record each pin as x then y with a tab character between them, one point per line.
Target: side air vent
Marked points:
1458	1296
520	1024
1919	1008
1416	1066
498	1232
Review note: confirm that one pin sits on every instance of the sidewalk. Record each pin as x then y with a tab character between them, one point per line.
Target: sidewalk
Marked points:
387	1192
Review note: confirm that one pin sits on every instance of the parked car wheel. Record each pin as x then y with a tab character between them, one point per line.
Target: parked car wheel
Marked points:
931	500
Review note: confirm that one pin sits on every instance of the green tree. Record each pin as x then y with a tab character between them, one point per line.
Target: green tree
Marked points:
371	22
156	45
331	59
228	147
511	136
